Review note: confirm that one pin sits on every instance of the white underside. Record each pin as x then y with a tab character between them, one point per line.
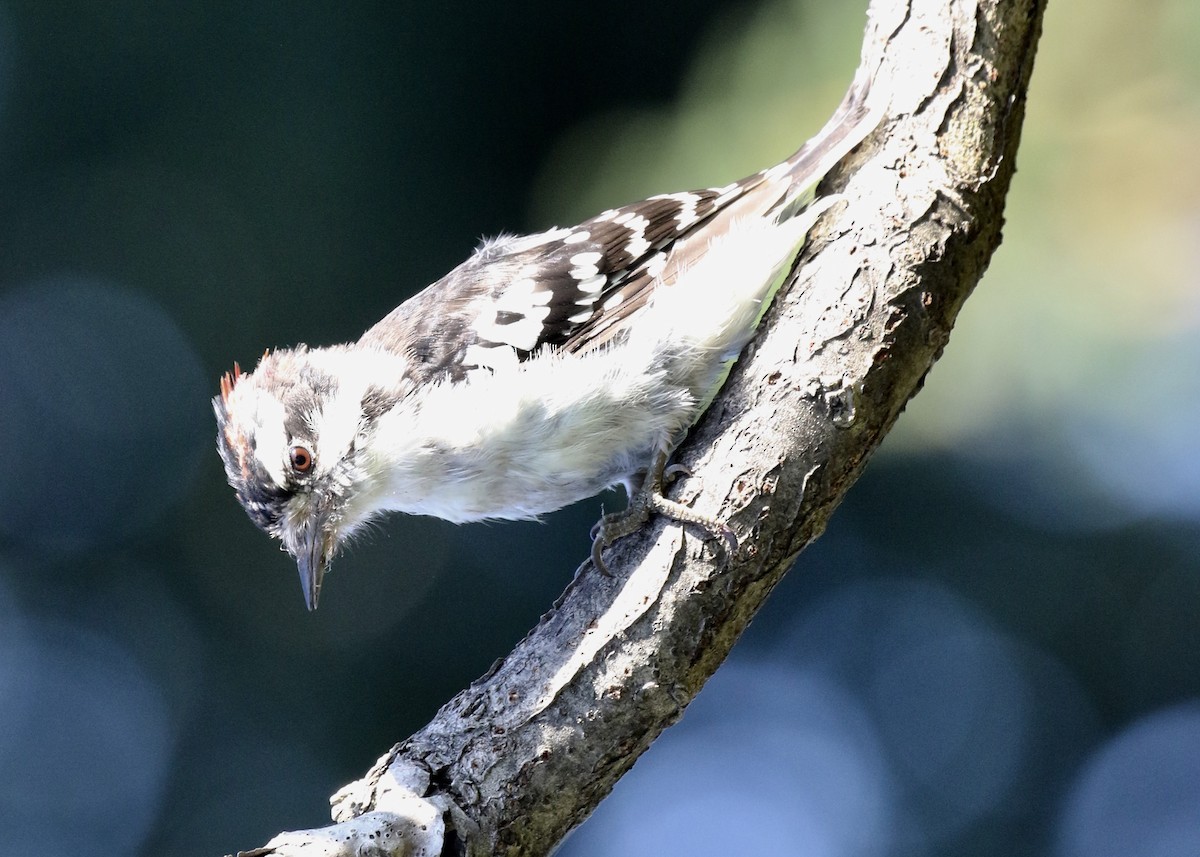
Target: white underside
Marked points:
530	438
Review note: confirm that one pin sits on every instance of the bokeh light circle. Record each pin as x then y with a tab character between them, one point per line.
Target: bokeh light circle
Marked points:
86	743
1140	794
104	414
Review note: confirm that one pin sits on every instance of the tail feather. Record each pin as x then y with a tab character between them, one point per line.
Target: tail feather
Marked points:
855	118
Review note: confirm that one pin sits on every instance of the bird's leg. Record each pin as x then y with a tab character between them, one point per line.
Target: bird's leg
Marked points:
649	499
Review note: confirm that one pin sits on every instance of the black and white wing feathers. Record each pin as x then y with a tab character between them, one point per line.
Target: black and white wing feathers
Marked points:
578	288
565	288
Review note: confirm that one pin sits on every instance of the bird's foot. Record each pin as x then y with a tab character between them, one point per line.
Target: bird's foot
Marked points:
650	500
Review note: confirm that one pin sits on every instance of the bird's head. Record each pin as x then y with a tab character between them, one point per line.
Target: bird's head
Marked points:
290	434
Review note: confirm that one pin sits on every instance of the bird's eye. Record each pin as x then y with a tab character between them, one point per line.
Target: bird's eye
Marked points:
301	458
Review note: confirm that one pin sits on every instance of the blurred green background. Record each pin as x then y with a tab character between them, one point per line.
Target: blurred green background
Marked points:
995	648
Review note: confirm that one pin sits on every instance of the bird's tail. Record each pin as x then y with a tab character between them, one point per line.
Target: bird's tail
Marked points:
852	122
732	278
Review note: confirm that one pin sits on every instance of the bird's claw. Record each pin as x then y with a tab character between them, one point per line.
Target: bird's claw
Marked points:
649	499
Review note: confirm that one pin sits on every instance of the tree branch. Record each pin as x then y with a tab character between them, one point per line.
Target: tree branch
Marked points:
515	761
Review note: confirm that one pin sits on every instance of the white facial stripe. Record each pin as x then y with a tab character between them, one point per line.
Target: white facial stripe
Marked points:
336	424
270	441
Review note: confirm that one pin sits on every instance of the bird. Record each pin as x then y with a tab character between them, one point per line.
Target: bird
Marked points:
541	371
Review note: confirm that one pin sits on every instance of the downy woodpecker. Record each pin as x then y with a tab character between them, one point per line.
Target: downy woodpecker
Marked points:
540	371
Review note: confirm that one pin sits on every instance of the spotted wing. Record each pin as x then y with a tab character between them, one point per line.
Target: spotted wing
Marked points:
566	288
578	288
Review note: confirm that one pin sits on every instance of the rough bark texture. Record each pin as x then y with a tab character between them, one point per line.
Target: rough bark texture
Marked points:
525	753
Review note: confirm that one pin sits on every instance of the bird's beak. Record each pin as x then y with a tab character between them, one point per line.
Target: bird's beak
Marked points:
313	558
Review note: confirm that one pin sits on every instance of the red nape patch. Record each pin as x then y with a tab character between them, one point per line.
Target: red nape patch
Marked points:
229	381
